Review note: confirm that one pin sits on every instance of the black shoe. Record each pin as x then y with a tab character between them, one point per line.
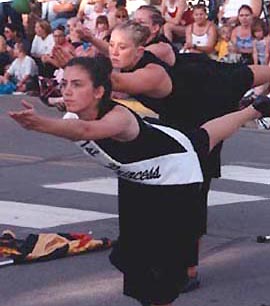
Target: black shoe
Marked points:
262	105
192	284
247	100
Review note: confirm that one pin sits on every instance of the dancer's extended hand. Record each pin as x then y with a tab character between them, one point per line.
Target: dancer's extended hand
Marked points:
27	117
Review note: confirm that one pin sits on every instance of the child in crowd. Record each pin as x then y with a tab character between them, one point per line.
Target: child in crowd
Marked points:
224	47
260	51
22	71
260	42
102	27
73	37
90	15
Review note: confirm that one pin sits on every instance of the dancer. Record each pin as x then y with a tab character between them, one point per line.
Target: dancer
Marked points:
157	167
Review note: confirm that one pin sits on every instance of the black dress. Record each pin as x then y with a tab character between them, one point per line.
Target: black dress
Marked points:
203	89
157	211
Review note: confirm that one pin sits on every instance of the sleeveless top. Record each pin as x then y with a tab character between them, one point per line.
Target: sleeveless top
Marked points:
158	156
158	105
200	40
261	47
244	43
162	38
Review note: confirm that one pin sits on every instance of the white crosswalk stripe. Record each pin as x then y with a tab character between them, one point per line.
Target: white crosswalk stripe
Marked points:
44	216
109	186
246	174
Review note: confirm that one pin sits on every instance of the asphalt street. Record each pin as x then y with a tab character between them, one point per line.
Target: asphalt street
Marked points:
40	171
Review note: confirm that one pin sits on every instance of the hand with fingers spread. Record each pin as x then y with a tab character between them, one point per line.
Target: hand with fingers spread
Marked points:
61	56
27	117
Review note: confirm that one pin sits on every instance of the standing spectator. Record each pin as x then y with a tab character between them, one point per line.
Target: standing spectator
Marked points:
241	35
228	12
90	15
176	13
260	50
5	58
260	42
201	35
23	70
64	9
111	10
42	44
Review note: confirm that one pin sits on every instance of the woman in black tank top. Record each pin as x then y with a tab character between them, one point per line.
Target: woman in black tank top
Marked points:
154	175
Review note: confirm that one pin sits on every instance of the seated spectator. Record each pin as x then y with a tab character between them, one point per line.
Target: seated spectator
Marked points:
5	58
201	35
13	36
175	13
22	71
73	36
241	35
42	44
59	41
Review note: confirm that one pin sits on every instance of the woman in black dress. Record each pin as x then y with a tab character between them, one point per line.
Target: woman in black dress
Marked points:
211	88
158	169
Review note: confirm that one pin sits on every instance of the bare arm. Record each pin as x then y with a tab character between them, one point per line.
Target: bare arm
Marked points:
255	53
119	124
151	80
100	44
63	7
182	6
163	51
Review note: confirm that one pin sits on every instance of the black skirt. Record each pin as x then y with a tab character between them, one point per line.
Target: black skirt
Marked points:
159	229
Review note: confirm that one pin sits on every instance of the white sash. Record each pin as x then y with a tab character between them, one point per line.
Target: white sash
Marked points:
171	169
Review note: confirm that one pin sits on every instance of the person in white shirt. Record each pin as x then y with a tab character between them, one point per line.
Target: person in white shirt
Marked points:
42	46
22	71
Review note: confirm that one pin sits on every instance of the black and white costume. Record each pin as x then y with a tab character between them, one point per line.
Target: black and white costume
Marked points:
159	181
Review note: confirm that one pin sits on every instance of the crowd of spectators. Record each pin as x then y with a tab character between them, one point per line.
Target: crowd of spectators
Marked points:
29	41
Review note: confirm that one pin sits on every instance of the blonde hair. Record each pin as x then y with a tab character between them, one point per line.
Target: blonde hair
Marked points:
138	32
3	44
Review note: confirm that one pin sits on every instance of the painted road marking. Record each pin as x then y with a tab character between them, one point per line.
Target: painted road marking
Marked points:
246	174
222	198
44	216
100	185
109	186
